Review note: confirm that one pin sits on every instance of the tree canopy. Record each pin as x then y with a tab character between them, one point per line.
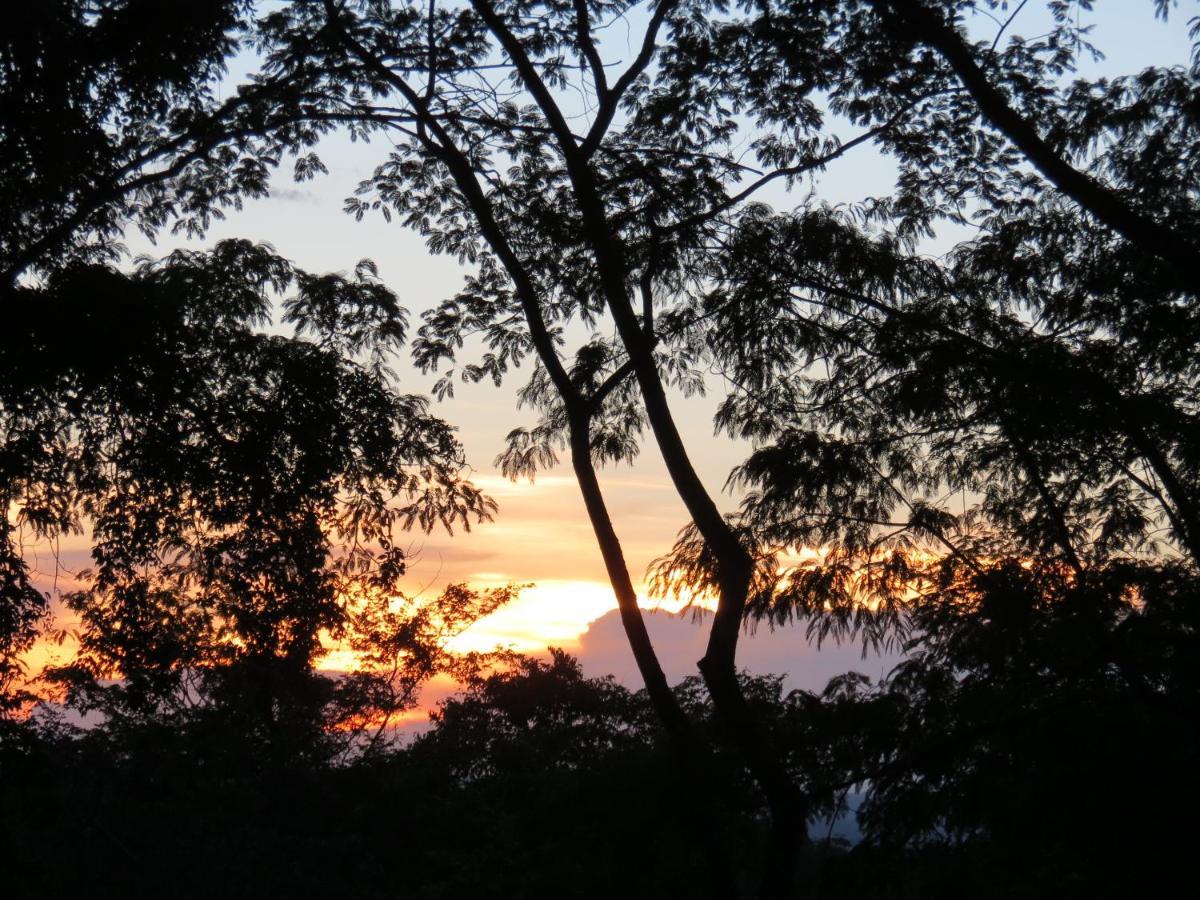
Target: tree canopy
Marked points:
989	442
878	384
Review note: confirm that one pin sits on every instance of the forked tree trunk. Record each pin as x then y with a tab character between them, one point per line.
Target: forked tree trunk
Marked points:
787	806
694	759
735	566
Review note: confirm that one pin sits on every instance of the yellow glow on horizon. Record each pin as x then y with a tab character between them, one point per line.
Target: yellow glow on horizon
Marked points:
338	659
553	613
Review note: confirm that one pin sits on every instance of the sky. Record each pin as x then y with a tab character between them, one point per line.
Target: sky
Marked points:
541	535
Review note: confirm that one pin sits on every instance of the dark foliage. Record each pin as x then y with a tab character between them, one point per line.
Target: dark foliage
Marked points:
112	115
997	450
1010	764
520	790
243	490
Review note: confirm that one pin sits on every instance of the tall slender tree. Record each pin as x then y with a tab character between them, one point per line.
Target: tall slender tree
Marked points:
596	215
617	195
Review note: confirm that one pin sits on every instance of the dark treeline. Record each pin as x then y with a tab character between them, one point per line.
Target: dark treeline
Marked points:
994	442
539	782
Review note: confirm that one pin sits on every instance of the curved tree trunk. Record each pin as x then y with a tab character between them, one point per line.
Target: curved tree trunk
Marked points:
788	818
695	762
927	26
735	566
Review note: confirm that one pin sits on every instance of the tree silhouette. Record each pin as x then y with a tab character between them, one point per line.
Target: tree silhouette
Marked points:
1038	369
115	117
243	490
994	450
633	214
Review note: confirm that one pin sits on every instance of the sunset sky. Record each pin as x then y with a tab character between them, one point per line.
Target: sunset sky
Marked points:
541	535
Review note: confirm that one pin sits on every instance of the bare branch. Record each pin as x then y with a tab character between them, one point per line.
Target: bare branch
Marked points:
610	102
583	32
